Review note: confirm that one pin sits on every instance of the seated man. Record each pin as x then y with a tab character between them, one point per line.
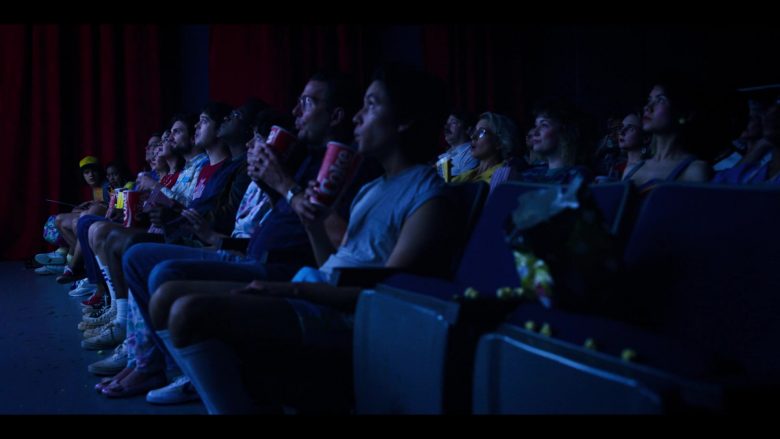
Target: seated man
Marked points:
397	220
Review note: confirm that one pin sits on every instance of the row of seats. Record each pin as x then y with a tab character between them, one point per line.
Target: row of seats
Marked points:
696	332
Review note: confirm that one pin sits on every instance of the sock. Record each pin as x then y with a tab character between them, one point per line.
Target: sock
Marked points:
68	258
213	368
121	312
110	285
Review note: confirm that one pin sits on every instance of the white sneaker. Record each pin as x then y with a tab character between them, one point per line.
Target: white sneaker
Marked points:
111	336
51	258
113	364
49	269
179	391
82	288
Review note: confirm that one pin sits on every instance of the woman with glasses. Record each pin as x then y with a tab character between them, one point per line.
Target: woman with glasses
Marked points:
493	141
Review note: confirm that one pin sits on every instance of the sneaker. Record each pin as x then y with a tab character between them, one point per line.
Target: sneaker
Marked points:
68	276
82	288
112	365
101	319
52	258
111	336
179	391
84	326
49	269
94	300
95	310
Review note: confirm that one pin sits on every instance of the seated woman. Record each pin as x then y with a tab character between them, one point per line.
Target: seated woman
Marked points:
762	164
631	140
493	141
670	116
397	220
559	137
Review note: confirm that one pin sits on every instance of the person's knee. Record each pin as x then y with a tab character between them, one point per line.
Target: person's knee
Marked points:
186	316
116	241
61	221
160	303
95	235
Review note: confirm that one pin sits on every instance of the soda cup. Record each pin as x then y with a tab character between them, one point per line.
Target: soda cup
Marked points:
133	204
280	141
111	203
337	169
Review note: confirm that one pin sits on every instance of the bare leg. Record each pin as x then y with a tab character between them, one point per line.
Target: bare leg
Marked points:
162	299
64	222
236	319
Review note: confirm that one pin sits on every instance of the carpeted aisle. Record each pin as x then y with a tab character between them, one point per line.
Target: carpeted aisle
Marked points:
42	365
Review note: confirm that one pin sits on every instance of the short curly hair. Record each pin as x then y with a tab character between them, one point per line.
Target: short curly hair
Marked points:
506	131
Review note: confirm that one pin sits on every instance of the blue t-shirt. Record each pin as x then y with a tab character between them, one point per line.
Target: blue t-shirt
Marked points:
379	211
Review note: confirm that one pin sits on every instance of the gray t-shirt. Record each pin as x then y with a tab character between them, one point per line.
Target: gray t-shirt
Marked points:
378	213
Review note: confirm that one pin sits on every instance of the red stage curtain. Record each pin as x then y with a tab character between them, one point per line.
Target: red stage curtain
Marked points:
69	91
273	62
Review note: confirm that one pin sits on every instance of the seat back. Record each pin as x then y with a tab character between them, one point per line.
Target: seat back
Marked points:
583	364
487	263
702	265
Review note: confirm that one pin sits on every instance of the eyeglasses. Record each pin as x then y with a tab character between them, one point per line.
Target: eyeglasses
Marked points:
480	133
306	102
235	114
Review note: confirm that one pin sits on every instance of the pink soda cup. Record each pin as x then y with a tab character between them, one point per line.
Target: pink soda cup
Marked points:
280	141
337	169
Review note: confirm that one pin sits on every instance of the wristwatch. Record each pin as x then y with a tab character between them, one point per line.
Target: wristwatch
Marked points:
292	192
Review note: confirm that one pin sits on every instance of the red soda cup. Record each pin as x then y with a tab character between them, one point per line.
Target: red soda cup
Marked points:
280	141
337	169
133	207
111	203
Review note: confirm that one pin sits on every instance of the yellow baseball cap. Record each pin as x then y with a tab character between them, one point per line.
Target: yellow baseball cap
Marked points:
88	160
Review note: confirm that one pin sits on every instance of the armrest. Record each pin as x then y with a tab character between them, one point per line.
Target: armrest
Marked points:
235	244
362	277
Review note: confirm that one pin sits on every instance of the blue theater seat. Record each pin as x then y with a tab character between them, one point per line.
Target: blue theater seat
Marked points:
552	362
414	344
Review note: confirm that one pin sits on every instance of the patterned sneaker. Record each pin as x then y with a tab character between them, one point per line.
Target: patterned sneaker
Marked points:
94	311
179	391
111	336
101	319
112	365
93	330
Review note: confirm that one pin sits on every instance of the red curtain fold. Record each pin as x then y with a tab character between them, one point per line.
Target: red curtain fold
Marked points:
480	64
273	62
69	91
